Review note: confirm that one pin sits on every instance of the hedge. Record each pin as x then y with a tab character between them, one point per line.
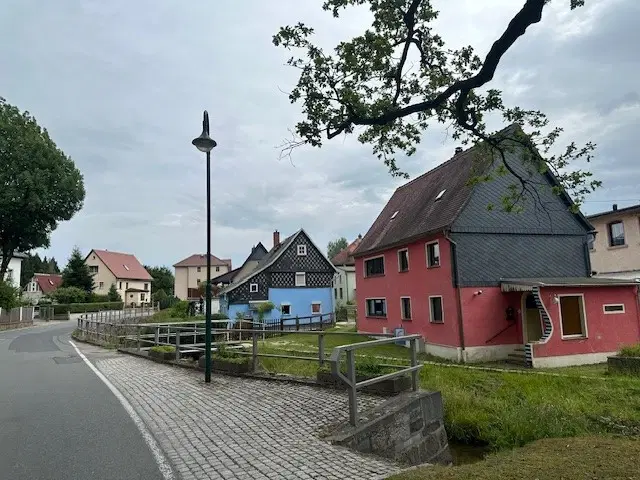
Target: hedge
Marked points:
84	307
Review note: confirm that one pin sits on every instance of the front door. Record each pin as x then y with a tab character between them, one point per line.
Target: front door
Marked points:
531	319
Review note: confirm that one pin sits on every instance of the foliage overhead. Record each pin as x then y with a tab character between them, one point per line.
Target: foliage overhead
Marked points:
163	279
76	273
336	246
39	185
398	78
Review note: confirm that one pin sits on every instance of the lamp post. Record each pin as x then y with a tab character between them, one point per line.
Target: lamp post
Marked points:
205	144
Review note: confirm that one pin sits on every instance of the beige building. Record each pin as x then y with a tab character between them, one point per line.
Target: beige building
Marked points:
615	251
131	279
344	282
192	271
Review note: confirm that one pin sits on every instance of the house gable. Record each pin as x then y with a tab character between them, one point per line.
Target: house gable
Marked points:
545	239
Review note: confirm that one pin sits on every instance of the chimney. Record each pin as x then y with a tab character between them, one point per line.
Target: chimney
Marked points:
615	207
458	150
276	238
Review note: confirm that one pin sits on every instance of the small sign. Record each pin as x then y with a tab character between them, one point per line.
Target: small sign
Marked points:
399	332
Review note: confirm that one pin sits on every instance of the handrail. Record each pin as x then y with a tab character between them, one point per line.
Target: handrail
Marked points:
351	380
502	331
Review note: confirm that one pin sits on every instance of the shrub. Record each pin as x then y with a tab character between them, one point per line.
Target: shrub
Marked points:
630	351
219	316
180	309
163	349
68	295
341	314
97	298
9	296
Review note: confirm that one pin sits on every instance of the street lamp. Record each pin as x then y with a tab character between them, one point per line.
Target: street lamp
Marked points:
205	144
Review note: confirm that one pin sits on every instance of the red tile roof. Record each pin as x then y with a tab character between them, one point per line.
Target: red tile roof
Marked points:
122	265
48	282
345	256
200	260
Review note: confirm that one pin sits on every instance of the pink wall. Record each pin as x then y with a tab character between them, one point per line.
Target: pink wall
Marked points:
606	332
485	316
418	283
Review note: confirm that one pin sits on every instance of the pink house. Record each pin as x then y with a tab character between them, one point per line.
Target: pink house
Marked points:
481	284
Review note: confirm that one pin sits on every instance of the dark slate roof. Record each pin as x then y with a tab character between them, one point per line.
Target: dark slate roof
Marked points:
420	214
227	277
418	211
569	281
632	209
257	253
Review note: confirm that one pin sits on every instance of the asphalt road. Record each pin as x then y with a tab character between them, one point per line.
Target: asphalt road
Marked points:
58	420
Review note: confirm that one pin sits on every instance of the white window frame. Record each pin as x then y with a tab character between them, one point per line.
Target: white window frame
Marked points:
426	254
301	250
615	312
399	264
366	305
402	317
302	275
285	304
384	267
431	320
584	316
316	303
253	288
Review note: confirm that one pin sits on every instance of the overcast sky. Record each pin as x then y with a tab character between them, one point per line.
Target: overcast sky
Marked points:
121	86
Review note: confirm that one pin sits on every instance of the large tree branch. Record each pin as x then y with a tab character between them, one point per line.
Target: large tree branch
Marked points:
530	14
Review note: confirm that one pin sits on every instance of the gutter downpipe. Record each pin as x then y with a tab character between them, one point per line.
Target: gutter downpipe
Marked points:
456	276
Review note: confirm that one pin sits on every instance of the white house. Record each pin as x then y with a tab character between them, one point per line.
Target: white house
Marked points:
344	282
15	268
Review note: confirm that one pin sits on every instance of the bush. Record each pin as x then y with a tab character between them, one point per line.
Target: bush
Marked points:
219	316
630	351
163	349
9	296
341	314
85	307
68	295
97	298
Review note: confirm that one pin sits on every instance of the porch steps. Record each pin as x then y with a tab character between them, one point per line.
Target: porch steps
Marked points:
518	357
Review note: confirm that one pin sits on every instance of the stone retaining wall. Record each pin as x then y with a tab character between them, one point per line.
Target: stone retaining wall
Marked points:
408	429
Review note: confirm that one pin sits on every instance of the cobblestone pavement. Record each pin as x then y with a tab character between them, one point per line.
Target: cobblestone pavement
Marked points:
237	428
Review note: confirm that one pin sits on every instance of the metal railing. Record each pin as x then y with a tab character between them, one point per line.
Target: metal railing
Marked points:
351	380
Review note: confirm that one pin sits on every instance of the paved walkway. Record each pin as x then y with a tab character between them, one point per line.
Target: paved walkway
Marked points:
237	428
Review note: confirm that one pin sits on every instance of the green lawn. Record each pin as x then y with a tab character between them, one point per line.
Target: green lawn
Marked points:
499	409
551	459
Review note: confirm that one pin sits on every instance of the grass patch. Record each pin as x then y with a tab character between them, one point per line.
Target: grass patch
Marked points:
163	349
550	459
630	351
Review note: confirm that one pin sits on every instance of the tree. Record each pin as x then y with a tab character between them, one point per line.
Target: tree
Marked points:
76	273
398	78
39	185
162	278
9	296
336	246
113	294
65	295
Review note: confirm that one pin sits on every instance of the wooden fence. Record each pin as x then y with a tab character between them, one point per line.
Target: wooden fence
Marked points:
16	317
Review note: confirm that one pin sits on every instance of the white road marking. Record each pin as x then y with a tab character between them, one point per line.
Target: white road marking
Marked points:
161	460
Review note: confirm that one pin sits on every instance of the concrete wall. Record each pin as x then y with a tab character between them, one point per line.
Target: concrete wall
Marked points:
605	333
419	283
625	258
408	429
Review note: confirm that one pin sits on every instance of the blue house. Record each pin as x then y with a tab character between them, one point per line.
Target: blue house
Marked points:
295	276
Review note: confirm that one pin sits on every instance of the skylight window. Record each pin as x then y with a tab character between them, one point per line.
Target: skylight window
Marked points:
439	196
126	267
50	282
394	214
